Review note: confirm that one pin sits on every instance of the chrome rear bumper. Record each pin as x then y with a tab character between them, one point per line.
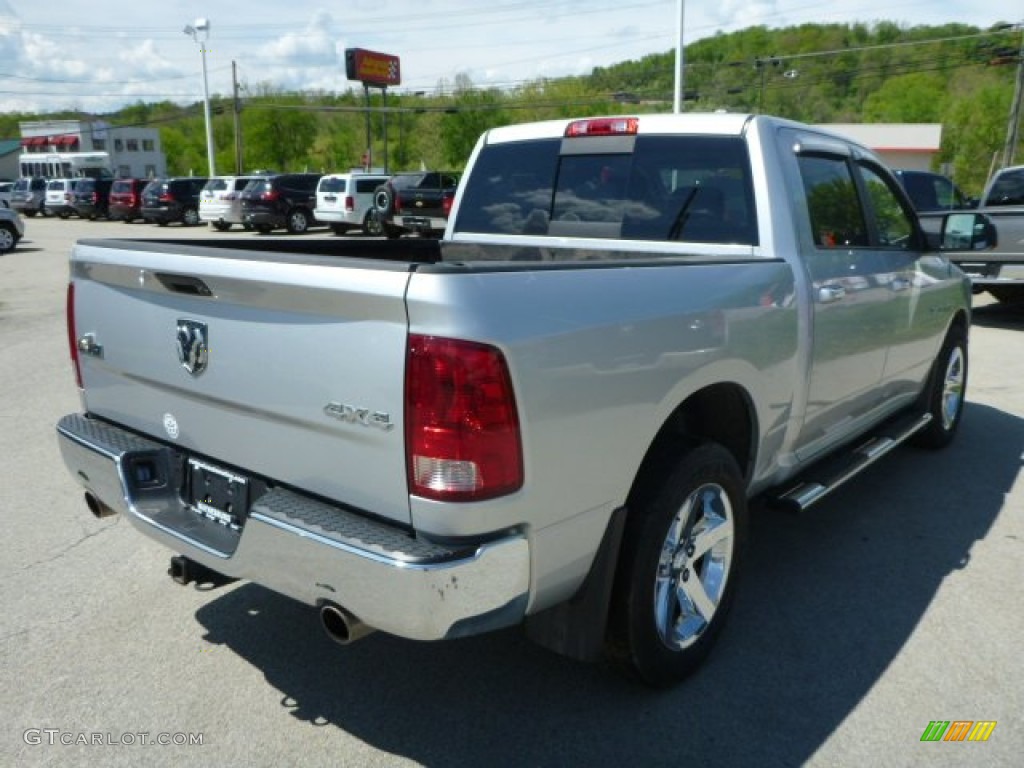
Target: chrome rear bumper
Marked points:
304	548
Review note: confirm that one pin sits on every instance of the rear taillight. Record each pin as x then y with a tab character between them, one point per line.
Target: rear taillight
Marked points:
350	203
270	195
462	436
446	204
166	197
73	334
398	203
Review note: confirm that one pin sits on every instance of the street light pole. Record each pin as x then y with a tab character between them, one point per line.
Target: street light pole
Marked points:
193	30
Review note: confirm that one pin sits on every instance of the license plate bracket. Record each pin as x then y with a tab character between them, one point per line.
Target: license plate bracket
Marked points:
217	494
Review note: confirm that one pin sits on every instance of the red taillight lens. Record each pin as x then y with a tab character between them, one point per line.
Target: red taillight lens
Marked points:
73	334
398	203
350	203
603	126
166	197
462	437
270	195
446	204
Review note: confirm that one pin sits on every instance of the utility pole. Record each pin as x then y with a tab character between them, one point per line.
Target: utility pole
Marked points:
1014	125
677	105
238	119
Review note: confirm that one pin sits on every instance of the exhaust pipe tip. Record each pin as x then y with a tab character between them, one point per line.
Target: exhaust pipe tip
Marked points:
341	626
97	507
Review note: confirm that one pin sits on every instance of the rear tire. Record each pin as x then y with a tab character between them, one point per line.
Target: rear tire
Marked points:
190	218
297	221
945	394
677	572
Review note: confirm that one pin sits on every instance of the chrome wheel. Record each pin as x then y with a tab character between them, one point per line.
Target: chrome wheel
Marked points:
694	566
678	563
7	240
953	388
944	396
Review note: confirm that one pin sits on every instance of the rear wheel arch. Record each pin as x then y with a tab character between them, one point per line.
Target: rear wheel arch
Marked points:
721	413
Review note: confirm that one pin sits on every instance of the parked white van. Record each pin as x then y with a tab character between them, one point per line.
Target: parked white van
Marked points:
220	202
344	201
60	195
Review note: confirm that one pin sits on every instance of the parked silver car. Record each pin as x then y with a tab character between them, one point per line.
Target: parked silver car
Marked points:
29	195
6	187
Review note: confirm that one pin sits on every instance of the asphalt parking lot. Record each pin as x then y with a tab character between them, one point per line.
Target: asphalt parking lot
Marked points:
896	603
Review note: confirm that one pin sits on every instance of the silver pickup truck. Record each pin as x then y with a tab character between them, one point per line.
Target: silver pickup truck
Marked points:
555	416
998	270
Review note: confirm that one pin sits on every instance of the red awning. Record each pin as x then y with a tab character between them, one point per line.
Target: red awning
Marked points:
66	140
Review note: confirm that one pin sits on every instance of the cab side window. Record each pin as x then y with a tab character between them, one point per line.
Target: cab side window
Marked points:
837	219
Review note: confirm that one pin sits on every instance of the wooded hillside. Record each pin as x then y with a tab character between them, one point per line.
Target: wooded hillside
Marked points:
957	75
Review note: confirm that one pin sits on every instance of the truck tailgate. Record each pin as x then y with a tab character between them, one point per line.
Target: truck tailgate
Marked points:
302	380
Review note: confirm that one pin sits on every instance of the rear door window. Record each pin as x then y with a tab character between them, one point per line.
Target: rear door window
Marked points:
367	186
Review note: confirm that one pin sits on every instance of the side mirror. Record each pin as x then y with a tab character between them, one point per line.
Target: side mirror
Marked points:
967	232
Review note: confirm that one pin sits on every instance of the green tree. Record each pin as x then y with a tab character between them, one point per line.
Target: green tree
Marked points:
914	98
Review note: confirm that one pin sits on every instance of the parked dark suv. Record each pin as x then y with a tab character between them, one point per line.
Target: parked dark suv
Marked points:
167	200
92	198
284	200
126	199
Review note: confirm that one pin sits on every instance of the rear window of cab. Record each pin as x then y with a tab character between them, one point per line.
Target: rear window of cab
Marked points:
659	188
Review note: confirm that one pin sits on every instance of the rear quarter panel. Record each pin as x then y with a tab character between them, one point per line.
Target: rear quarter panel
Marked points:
600	357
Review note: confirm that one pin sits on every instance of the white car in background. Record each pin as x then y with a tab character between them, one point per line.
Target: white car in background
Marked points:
344	201
60	197
220	202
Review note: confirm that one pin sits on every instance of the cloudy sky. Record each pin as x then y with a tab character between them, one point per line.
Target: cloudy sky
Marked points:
99	55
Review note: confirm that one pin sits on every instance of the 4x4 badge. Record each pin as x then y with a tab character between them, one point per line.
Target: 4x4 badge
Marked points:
193	349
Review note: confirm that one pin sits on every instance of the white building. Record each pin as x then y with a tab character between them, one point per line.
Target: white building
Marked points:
65	144
910	146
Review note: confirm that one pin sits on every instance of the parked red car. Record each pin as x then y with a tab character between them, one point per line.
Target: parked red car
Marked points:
126	199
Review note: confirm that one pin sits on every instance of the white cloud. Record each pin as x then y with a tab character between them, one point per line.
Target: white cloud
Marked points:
105	53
